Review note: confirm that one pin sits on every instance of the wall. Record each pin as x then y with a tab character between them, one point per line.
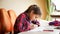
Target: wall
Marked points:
42	4
20	6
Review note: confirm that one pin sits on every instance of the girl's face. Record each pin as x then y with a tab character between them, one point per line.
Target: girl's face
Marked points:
33	16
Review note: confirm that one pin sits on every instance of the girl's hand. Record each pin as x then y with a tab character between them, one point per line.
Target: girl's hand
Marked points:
32	26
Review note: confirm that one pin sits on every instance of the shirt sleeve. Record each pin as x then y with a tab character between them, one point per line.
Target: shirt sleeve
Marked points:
23	24
36	22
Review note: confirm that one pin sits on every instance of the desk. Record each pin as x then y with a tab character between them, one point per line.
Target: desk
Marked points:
40	30
39	33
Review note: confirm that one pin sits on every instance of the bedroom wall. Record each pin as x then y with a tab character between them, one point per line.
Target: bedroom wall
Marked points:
20	6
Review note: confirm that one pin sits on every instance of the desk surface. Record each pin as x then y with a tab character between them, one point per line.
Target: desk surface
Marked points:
49	28
39	33
39	30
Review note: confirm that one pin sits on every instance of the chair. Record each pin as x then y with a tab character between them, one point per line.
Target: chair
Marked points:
7	20
12	16
6	25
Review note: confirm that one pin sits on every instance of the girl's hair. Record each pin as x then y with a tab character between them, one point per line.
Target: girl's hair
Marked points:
35	8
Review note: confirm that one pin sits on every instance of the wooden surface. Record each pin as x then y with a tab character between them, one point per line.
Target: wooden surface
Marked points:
55	16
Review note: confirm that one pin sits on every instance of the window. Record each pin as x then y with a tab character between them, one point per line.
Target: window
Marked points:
56	11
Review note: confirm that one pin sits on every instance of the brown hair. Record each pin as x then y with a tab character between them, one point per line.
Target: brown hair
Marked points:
35	8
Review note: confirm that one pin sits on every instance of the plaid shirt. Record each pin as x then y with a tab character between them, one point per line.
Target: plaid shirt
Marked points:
23	23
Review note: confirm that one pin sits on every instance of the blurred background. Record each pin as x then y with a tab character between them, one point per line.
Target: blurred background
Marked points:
20	6
48	7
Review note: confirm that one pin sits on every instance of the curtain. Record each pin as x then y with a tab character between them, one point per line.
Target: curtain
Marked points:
49	11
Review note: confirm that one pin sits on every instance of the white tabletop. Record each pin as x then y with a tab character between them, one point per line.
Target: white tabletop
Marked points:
41	29
39	33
